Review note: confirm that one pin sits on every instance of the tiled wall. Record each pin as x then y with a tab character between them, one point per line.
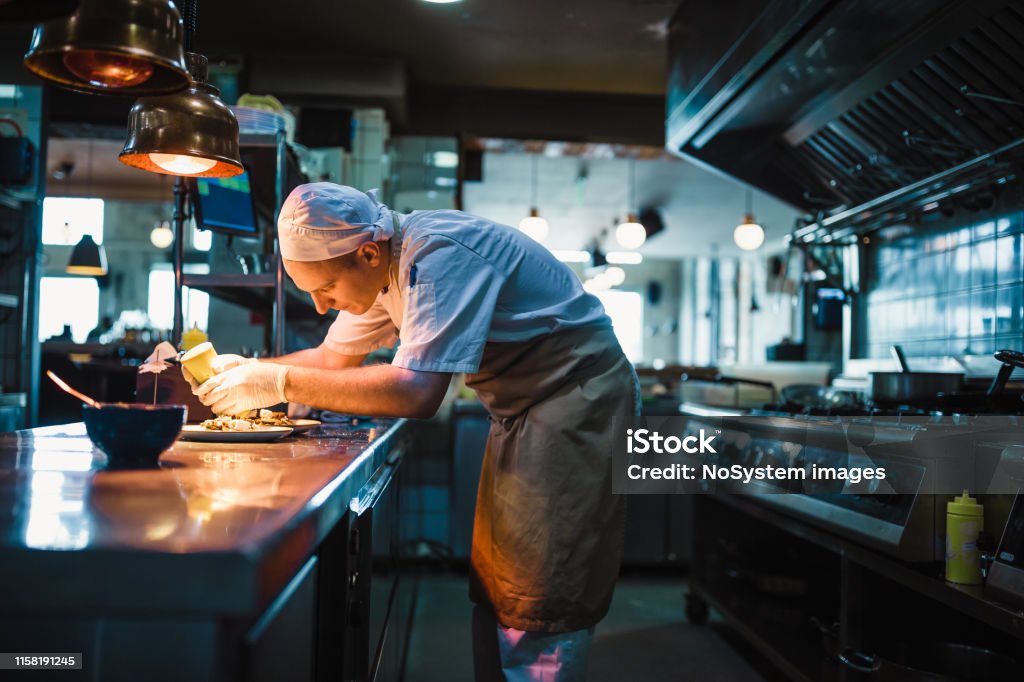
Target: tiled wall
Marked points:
949	289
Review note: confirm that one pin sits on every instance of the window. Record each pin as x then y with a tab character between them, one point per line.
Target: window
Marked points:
73	301
195	304
626	309
66	219
202	240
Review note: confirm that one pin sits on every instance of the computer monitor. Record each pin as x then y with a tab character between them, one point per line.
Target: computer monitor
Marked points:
225	205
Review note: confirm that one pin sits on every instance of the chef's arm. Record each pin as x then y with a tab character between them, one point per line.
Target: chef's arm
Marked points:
320	357
379	390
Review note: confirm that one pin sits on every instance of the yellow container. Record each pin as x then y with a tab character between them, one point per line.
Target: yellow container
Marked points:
198	361
965	519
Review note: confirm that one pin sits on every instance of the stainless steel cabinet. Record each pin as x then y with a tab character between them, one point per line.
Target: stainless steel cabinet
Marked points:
280	646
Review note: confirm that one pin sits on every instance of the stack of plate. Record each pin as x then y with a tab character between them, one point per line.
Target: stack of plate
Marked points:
259	121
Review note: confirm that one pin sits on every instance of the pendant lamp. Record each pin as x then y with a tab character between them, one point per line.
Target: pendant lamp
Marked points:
191	133
114	47
630	234
35	10
748	235
162	235
533	225
87	258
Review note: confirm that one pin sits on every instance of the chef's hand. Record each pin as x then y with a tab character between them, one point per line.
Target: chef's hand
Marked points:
221	363
248	386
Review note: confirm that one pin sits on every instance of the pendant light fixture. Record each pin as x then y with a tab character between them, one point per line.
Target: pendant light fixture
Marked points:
533	225
630	234
87	258
120	47
190	133
749	235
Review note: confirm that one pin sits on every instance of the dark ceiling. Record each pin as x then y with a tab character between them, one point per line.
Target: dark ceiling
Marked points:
608	46
578	70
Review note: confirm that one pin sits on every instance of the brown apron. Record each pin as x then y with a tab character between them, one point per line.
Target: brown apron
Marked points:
548	533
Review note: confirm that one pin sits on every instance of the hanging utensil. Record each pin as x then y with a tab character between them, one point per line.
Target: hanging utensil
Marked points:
897	352
81	396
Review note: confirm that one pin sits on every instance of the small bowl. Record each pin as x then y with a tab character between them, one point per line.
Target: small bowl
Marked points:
133	435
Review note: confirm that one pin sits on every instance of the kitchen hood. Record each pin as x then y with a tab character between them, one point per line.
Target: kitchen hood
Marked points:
860	112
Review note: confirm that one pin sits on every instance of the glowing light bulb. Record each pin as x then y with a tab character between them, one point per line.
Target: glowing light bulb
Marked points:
748	235
630	234
534	226
162	236
106	70
180	164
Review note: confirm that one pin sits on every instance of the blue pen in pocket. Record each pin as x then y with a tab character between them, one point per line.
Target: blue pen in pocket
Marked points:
412	276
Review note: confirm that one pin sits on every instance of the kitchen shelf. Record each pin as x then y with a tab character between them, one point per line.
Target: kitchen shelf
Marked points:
252	292
799	660
273	170
229	281
967	600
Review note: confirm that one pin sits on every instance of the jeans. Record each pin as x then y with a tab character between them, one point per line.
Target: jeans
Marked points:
502	654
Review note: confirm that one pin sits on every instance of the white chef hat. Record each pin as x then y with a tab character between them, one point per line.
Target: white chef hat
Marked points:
322	220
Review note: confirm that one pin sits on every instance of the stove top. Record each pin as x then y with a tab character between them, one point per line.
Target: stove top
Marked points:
956	404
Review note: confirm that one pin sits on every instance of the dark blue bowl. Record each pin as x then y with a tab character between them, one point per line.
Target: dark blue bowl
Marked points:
133	435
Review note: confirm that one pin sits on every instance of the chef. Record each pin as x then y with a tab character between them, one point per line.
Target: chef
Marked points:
459	293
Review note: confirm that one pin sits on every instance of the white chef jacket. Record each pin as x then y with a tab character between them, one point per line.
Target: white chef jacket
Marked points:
460	282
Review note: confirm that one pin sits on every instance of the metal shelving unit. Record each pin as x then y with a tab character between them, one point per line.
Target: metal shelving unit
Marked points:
256	291
798	654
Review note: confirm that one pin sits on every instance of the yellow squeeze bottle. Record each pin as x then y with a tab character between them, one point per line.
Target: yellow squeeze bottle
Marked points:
964	520
193	337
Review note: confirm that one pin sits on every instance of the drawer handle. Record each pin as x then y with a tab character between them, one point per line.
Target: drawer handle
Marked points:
371	491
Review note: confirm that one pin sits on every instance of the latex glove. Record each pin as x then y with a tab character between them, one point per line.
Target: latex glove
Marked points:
221	363
248	386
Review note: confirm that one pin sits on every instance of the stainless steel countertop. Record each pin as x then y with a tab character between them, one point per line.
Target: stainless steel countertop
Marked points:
217	528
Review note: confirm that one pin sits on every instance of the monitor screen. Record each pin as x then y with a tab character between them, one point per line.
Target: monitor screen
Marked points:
225	205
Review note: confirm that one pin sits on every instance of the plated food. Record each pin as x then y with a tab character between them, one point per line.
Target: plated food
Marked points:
256	426
253	421
257	434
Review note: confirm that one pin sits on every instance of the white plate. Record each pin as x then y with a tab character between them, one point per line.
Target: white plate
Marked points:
303	425
264	433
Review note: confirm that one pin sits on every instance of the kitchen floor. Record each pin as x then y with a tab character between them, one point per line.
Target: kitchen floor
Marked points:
644	637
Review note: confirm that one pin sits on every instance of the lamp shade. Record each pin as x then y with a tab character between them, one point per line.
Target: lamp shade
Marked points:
35	10
748	235
87	258
190	133
122	47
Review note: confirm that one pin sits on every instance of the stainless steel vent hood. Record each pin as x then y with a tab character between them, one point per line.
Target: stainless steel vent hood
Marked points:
859	112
